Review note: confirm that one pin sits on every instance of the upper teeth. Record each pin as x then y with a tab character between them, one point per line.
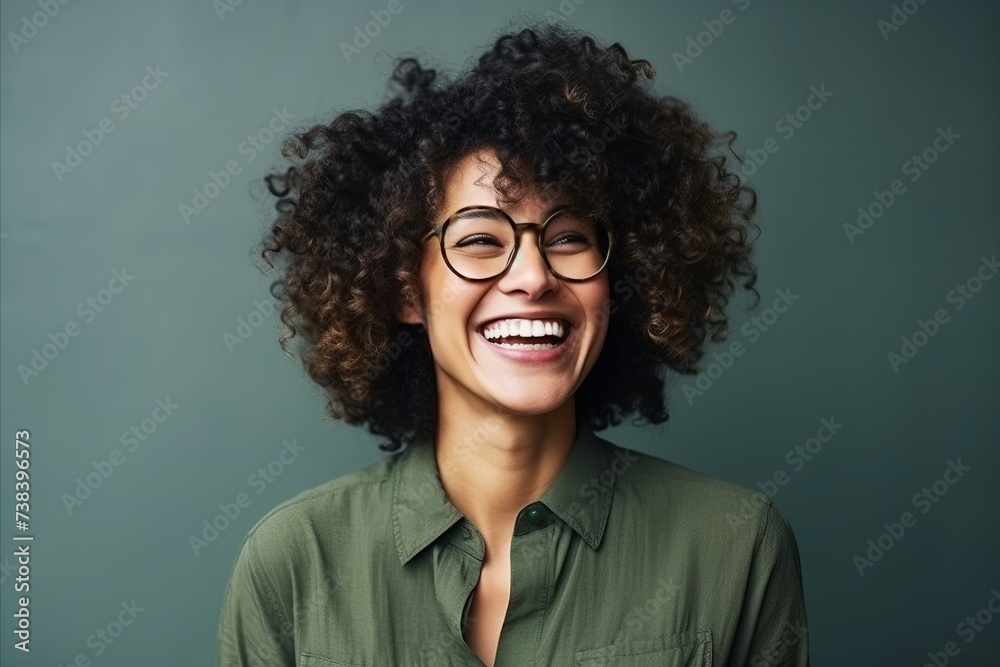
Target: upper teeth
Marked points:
525	328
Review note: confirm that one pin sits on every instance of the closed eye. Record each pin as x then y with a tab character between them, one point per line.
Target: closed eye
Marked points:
479	239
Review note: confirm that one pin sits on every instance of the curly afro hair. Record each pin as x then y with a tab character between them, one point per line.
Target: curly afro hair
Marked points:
563	113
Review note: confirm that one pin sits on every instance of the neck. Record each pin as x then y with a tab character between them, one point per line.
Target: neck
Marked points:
492	467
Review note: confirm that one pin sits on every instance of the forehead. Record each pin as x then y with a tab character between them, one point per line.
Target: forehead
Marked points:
473	172
469	182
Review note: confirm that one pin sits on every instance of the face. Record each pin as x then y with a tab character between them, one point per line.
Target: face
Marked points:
472	371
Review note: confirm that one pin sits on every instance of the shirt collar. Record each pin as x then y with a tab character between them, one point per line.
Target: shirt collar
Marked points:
580	496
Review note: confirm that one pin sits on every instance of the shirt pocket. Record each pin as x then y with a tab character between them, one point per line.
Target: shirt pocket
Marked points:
312	660
684	649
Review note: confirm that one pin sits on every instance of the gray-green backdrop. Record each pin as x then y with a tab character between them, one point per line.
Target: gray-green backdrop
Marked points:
139	343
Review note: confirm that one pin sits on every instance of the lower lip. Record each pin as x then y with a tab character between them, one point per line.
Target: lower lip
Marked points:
533	356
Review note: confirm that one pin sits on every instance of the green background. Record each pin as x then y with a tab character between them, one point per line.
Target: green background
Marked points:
162	336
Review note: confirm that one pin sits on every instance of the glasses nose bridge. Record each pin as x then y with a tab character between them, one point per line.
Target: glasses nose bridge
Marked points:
518	228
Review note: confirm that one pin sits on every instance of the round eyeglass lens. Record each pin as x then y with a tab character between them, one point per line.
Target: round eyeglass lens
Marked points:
478	242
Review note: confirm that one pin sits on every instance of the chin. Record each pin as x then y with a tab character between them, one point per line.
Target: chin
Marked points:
529	404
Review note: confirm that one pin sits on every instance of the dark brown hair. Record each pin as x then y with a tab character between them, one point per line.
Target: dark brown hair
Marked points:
561	112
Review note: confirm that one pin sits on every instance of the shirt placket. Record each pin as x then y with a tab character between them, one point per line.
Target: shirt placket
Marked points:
458	564
530	587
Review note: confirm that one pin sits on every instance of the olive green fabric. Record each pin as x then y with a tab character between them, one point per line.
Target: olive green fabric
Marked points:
626	559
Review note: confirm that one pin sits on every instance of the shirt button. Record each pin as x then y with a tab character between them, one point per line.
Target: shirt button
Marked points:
535	515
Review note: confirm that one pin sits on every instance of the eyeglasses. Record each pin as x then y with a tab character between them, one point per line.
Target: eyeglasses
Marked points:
479	242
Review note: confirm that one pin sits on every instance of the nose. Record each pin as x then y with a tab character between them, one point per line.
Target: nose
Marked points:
529	272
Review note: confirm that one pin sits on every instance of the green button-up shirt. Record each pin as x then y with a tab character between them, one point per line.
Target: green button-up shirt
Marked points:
627	559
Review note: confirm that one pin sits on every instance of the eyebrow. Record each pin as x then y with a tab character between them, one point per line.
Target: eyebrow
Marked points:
546	214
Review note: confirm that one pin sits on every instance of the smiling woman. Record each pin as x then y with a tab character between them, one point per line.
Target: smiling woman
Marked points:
449	262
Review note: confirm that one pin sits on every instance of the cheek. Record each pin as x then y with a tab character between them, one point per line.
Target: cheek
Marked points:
598	300
434	283
450	300
605	288
599	307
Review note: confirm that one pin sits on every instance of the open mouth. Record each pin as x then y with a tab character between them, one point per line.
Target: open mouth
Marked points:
518	334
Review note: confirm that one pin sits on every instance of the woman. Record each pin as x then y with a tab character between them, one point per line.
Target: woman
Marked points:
489	271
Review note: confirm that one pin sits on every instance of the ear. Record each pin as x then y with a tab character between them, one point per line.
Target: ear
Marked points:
410	313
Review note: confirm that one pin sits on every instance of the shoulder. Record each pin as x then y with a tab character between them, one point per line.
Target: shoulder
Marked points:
298	530
668	493
663	479
301	553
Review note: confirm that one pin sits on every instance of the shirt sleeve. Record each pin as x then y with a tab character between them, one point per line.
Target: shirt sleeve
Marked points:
773	630
254	631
